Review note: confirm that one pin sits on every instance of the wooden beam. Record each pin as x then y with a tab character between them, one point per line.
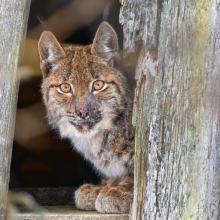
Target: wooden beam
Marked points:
70	213
13	25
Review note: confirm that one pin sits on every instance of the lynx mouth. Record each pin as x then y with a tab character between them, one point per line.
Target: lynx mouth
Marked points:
84	126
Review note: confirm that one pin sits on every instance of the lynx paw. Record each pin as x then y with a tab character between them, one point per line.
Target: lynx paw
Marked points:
112	200
86	196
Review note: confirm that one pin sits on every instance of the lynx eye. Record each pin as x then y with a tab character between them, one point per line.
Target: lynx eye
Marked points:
97	85
65	87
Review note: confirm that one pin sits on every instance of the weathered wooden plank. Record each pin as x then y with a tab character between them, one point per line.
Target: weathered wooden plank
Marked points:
213	191
13	23
70	213
179	106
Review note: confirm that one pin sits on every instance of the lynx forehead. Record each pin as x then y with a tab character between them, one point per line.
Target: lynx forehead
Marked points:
87	99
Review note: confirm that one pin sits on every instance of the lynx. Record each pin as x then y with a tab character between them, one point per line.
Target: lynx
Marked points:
87	100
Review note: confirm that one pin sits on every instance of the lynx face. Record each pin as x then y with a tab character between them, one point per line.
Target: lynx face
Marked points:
83	88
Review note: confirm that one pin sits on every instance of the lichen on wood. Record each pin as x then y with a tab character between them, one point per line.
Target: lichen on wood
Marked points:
179	59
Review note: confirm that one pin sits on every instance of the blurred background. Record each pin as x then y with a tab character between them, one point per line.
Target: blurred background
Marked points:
40	158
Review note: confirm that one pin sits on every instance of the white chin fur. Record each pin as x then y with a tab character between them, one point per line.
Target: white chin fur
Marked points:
69	131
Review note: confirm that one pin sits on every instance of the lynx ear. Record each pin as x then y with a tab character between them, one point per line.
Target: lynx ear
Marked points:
50	52
105	43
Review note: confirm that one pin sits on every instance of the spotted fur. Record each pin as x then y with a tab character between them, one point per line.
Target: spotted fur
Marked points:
98	123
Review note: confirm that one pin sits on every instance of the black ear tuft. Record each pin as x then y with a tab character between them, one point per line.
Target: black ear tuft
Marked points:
105	43
50	52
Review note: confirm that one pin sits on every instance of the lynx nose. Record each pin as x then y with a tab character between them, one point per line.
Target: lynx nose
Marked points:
83	112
